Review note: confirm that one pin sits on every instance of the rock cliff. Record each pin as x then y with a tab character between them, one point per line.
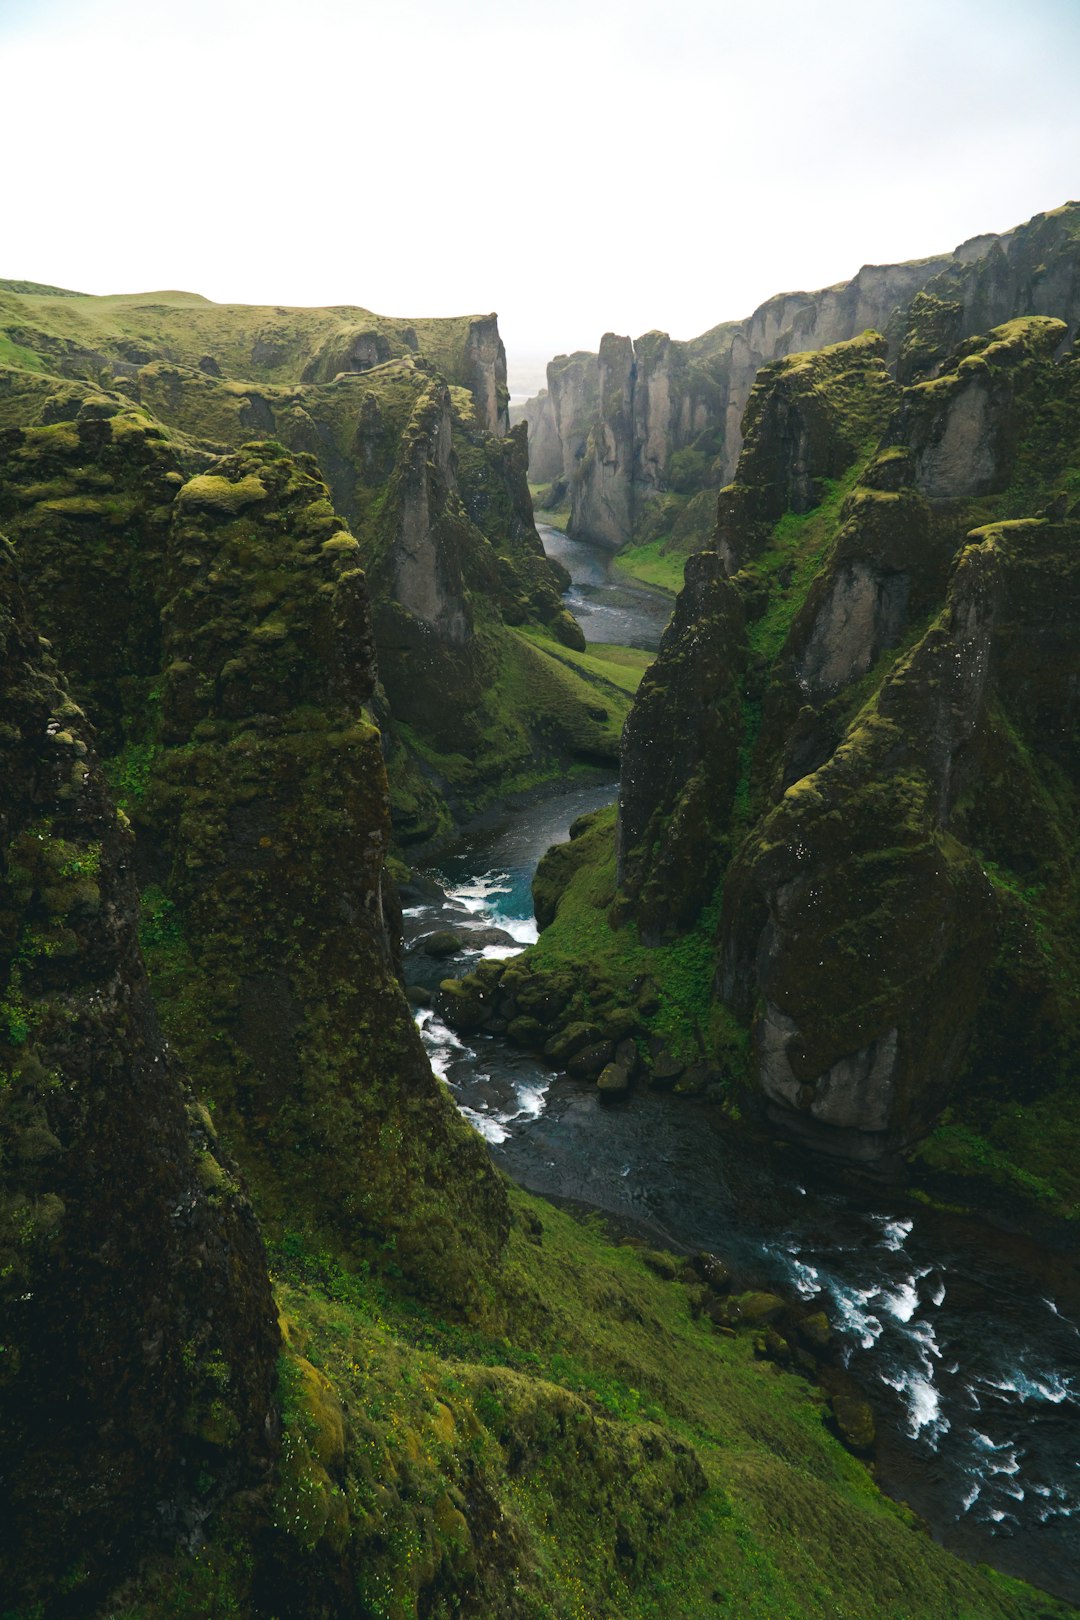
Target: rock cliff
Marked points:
255	776
408	424
822	883
634	455
136	1382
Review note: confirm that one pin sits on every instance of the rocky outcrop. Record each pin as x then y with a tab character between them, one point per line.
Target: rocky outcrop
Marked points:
484	366
545	446
136	1385
680	765
573	388
629	465
869	885
603	483
1033	270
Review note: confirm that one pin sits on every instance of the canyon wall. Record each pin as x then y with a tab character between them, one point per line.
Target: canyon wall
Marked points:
633	455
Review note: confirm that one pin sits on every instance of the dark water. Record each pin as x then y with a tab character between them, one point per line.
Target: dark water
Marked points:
967	1341
607	607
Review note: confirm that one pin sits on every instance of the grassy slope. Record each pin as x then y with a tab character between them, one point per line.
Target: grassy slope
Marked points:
268	343
652	565
523	1468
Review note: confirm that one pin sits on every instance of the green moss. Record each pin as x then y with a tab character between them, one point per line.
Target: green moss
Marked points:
798	548
212	493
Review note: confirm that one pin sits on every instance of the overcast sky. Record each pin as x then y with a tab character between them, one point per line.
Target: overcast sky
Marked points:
577	165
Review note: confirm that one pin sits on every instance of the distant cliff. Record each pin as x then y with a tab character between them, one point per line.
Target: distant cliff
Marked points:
642	427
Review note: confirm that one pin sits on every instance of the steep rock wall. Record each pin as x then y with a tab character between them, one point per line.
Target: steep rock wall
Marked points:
257	785
849	788
136	1384
689	398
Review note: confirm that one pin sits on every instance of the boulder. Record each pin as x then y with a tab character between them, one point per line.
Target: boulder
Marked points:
613	1083
587	1063
443	943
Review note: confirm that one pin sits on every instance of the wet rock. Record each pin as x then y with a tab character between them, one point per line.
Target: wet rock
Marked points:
465	1007
666	1068
443	943
417	996
587	1063
487	936
627	1056
854	1420
525	1031
419	888
562	1047
613	1083
814	1331
714	1272
752	1309
776	1347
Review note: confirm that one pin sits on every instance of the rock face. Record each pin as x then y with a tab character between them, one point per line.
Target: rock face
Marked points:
545	446
133	1392
256	782
408	423
635	449
848	778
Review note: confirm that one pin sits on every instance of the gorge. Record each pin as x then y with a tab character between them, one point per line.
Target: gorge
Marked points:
278	632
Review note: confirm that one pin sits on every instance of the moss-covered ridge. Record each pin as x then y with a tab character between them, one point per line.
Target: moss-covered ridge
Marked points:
239	689
78	335
138	1339
270	798
439	502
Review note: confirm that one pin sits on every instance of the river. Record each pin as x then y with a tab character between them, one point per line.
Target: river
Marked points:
965	1339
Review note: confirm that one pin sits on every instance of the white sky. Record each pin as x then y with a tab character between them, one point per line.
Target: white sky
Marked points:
577	165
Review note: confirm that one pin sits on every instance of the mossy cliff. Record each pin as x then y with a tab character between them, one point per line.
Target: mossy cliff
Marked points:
634	458
846	822
256	782
137	1363
408	424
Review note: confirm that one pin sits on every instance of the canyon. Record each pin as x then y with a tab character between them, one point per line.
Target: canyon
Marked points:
277	630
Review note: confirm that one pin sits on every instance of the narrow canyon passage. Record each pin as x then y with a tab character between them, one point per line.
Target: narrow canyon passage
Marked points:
965	1339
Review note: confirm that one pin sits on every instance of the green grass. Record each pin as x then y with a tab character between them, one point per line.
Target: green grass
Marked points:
621	667
589	1450
654	564
18	356
609	961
